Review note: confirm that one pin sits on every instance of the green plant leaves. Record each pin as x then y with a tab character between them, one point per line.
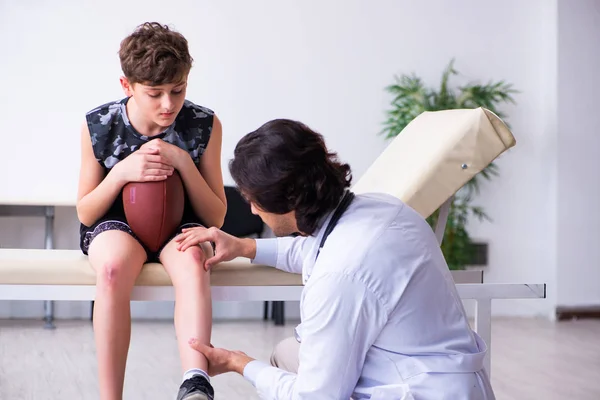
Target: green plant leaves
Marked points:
411	97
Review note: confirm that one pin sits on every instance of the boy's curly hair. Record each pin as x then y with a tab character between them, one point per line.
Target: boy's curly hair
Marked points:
155	55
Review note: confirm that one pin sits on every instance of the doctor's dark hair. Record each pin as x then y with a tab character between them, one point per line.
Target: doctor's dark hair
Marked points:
284	166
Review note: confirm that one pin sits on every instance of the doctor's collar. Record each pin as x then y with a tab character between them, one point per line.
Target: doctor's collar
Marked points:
332	217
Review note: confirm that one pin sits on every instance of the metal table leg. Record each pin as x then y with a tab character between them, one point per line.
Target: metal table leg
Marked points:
483	327
278	313
48	304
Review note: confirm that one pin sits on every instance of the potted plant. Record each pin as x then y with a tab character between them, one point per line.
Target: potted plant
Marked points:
410	98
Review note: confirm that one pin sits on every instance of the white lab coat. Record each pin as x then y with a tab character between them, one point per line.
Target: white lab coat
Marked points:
380	315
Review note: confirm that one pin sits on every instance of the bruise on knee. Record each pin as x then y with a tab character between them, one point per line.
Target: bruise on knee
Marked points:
193	256
198	254
110	275
188	267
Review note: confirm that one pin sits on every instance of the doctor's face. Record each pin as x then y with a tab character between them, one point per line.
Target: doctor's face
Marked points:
280	224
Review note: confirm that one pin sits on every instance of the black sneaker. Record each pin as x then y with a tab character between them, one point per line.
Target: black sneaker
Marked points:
196	388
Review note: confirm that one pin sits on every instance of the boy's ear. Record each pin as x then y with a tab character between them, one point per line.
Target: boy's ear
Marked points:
127	86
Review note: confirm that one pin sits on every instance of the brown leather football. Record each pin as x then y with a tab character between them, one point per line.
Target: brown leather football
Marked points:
154	209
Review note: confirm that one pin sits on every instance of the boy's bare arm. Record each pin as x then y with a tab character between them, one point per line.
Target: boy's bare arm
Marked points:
204	182
97	192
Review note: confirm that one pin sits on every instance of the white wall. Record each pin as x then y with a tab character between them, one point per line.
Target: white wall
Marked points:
578	269
522	202
264	59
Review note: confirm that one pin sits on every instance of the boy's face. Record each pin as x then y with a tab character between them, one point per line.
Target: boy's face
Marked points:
158	104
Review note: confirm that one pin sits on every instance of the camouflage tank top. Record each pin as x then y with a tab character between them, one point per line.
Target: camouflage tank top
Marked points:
114	138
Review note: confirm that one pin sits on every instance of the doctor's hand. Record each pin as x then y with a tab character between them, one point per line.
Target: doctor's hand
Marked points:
221	361
227	247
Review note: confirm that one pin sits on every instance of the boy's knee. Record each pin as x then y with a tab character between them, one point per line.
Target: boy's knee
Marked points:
196	254
189	260
109	275
195	264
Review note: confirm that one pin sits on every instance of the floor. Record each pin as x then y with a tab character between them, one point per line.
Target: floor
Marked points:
531	359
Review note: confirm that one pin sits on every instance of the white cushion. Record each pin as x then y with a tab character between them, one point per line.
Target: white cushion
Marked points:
71	267
423	165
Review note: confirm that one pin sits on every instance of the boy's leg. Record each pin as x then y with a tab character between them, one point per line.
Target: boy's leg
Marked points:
117	259
193	306
193	315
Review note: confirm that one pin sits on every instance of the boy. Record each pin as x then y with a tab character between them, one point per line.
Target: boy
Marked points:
145	137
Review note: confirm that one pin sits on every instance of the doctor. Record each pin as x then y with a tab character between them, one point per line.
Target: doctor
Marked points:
380	315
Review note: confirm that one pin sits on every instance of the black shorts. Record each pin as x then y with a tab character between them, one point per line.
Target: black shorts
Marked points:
115	219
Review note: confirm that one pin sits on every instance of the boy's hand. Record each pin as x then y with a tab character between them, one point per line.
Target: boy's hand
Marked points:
172	154
144	165
227	247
